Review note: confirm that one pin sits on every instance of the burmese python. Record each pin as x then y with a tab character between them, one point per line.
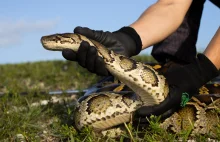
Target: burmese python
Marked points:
200	115
104	110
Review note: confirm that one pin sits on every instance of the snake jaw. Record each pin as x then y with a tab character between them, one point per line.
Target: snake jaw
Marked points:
51	42
44	42
59	42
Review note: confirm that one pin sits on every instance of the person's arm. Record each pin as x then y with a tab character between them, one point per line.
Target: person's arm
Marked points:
213	50
155	24
160	20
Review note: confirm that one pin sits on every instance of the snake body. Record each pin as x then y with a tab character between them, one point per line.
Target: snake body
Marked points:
198	117
106	109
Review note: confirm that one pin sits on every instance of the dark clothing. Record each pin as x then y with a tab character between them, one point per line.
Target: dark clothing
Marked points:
181	45
216	2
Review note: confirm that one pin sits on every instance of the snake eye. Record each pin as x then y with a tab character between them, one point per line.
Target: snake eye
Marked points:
57	38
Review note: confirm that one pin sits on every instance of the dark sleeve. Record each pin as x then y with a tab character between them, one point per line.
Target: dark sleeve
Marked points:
216	2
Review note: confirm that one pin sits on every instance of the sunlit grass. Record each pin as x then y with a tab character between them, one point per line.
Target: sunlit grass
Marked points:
21	121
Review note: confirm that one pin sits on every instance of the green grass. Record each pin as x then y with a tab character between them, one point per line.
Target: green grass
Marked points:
54	121
49	75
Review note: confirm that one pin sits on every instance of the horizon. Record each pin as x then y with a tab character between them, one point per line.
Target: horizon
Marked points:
24	22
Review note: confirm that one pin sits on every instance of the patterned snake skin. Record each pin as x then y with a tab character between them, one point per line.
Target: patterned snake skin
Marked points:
199	116
105	109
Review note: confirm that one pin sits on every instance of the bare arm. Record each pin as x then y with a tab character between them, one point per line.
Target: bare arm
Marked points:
160	20
213	49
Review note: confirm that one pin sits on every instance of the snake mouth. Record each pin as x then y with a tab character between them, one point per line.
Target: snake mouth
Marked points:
43	42
49	42
55	42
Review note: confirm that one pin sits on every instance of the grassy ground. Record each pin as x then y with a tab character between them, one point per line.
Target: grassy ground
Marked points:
23	119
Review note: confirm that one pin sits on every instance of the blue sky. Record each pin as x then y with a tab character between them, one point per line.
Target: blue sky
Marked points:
23	22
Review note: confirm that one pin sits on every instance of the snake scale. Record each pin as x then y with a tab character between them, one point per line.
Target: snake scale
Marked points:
106	109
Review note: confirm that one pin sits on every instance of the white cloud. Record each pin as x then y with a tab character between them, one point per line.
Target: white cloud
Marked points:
12	31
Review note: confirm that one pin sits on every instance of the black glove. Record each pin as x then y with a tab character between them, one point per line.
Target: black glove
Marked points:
125	41
184	81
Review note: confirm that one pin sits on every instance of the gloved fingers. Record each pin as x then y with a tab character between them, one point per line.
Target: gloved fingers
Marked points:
144	120
154	110
84	31
140	120
91	58
169	112
69	54
145	111
92	34
96	35
100	68
87	57
82	53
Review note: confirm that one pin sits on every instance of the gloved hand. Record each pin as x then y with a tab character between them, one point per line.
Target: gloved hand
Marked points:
184	81
125	41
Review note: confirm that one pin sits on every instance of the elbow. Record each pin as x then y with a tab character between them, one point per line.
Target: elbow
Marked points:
176	9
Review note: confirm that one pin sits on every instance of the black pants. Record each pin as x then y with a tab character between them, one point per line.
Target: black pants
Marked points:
181	45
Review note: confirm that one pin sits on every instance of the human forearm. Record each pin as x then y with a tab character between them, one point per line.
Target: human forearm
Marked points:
160	20
213	50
